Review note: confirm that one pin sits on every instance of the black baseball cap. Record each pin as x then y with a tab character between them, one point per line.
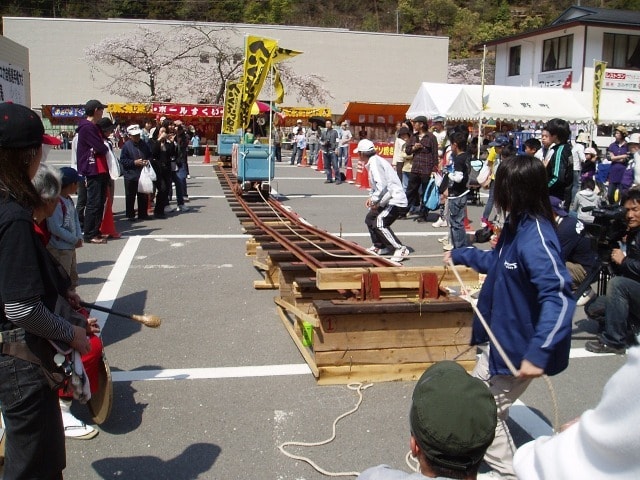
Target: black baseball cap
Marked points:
92	105
21	127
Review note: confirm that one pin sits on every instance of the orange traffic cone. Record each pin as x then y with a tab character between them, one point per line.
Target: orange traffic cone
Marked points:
364	176
207	155
108	226
348	171
320	164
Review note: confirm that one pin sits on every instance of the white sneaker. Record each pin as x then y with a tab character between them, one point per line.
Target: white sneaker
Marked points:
379	251
585	297
441	222
444	239
400	254
182	208
74	428
447	247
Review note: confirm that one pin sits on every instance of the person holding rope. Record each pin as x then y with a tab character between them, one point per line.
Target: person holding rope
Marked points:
30	286
525	301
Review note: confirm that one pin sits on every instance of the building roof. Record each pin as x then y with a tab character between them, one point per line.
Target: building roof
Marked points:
578	15
588	15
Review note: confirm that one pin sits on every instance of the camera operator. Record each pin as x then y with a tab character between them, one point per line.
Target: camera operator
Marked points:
622	301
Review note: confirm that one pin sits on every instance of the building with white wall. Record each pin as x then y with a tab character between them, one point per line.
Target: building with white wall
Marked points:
562	55
14	72
357	66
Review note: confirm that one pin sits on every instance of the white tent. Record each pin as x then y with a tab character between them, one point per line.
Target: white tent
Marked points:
463	102
616	107
526	104
443	99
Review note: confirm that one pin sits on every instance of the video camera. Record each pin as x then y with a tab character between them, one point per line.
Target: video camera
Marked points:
608	228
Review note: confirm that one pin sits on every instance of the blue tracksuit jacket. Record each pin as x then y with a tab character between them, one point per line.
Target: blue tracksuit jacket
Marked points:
526	298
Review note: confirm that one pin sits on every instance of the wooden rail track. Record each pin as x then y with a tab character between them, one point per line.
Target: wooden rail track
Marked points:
354	316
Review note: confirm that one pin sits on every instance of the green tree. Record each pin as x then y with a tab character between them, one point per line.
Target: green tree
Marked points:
461	34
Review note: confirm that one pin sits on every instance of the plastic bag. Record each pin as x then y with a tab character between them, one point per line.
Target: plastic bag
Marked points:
147	177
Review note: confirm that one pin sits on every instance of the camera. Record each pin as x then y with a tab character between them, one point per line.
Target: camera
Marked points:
608	228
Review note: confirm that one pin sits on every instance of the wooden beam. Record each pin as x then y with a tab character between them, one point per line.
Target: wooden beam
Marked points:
390	277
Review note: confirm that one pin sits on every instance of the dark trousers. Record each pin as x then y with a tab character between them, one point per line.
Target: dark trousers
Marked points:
35	446
622	305
130	195
379	222
163	185
413	188
96	196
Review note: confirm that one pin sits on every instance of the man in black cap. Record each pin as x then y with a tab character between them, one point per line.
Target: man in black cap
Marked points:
453	419
91	148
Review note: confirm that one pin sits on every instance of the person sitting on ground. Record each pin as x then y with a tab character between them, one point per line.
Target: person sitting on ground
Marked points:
452	419
619	310
386	203
577	251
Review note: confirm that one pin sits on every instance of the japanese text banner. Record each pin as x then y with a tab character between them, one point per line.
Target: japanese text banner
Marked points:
258	53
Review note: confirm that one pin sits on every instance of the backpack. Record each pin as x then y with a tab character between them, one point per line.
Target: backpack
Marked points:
474	167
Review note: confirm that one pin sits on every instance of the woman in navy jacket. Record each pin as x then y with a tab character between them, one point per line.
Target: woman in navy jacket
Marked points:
526	298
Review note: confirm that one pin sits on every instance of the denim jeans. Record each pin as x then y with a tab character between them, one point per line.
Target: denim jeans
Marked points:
331	162
344	156
312	153
177	181
489	205
456	221
623	302
35	446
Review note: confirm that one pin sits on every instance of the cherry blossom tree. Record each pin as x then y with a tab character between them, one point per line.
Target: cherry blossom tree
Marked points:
186	63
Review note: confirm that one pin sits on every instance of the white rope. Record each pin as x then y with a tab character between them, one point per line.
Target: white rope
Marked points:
358	387
330	254
464	295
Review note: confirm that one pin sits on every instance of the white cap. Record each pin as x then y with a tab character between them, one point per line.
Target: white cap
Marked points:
134	130
364	145
634	138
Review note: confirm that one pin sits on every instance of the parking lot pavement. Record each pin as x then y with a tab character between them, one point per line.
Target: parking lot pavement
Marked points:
214	391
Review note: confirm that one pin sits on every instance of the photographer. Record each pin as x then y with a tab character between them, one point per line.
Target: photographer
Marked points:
622	300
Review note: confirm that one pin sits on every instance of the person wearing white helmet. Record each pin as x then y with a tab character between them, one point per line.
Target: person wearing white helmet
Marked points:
386	202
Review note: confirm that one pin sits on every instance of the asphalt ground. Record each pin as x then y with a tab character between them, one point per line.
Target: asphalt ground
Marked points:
220	385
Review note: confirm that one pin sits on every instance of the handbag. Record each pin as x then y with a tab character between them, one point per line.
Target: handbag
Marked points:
147	177
431	195
114	166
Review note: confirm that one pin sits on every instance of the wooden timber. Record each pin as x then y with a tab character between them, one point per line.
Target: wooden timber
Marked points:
375	340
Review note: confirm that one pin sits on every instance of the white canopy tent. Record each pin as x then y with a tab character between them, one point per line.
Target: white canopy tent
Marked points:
447	100
514	104
616	107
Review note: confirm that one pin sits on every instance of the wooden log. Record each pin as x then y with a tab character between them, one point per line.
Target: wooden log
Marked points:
375	373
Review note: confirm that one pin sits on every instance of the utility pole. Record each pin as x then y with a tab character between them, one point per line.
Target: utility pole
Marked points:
397	20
